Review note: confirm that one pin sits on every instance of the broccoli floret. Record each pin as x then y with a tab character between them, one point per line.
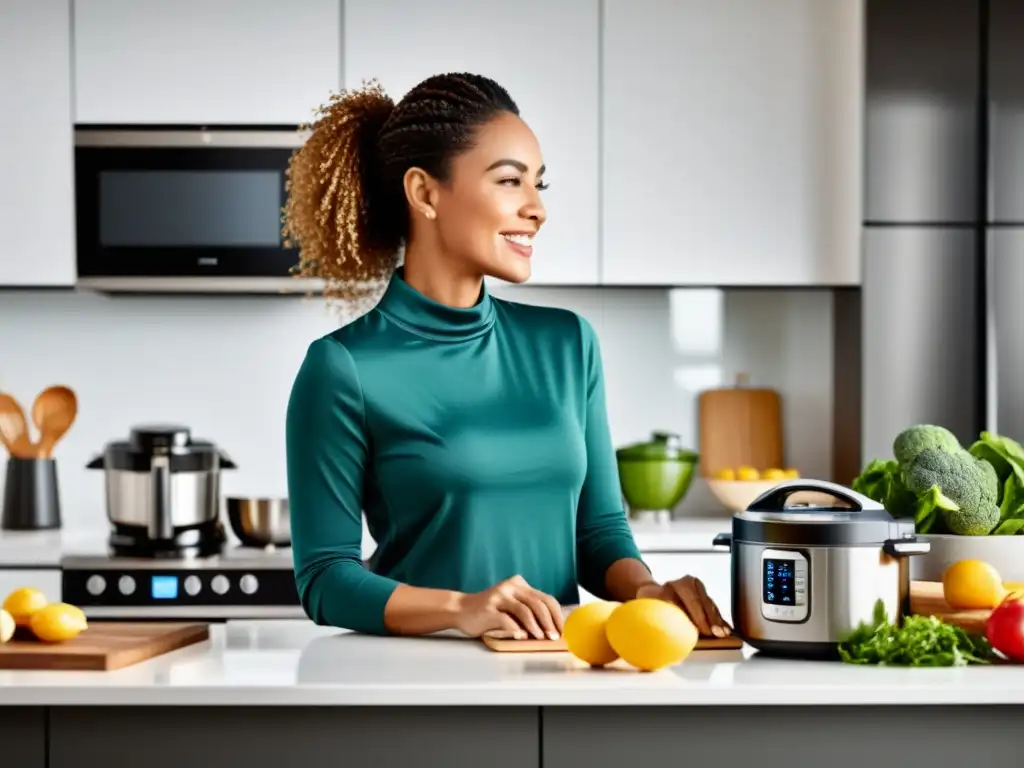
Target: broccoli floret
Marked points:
970	483
911	441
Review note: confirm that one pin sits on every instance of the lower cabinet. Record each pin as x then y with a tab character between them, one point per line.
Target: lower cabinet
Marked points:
22	736
273	737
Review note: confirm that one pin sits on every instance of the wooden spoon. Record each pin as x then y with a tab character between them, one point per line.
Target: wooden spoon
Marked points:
14	429
53	413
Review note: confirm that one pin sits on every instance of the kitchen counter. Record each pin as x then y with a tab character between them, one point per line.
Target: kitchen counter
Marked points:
44	549
262	694
295	662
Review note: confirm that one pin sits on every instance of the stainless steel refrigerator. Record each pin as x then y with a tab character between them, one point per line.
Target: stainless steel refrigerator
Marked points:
942	300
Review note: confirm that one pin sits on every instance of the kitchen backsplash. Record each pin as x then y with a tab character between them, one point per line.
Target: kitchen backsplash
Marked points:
223	366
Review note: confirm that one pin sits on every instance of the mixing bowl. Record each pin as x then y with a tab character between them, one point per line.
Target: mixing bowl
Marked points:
260	522
655	475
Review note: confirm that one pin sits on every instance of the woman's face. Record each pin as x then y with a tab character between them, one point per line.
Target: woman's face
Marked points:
490	209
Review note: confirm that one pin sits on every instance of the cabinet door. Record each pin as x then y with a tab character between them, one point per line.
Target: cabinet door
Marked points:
921	123
1006	276
1006	110
47	580
545	54
731	147
36	176
919	334
713	569
205	61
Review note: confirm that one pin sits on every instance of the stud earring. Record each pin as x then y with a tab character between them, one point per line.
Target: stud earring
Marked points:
430	214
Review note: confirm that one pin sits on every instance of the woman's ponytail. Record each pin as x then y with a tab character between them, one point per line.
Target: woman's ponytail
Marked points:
338	212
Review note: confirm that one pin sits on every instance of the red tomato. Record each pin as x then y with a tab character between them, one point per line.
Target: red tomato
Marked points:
1005	628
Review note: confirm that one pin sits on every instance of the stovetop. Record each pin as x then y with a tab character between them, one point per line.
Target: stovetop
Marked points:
237	557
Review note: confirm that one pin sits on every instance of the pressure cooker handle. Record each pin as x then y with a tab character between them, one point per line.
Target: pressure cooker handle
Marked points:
774	499
161	523
910	545
722	540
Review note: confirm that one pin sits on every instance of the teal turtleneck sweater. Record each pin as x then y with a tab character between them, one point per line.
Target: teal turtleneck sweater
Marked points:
474	440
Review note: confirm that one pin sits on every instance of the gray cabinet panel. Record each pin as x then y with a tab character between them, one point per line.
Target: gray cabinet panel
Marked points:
921	131
273	737
1006	111
23	737
920	334
1006	329
778	737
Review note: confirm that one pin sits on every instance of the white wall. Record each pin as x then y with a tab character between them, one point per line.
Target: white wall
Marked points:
224	366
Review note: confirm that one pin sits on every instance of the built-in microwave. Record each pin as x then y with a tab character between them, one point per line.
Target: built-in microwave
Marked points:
183	208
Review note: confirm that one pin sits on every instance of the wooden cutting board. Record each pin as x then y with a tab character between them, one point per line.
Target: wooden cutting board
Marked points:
104	646
926	600
739	426
555	646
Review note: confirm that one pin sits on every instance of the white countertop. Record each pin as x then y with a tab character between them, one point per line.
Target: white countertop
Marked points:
298	663
44	549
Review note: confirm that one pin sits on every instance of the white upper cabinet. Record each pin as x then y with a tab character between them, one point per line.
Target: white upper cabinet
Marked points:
732	142
546	54
36	169
205	61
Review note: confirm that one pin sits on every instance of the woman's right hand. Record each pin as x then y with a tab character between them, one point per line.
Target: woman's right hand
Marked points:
510	609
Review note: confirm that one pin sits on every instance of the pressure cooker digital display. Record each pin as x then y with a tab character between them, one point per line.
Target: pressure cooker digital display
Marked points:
784	585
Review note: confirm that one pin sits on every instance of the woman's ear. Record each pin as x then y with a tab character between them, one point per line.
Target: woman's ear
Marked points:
421	192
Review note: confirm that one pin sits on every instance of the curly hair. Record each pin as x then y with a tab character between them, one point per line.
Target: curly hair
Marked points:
346	209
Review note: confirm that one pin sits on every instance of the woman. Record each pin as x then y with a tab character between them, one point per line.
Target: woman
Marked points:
470	430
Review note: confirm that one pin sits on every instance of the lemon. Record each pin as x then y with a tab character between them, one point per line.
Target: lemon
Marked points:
972	584
22	603
58	622
773	473
6	626
791	474
726	474
651	634
747	473
584	633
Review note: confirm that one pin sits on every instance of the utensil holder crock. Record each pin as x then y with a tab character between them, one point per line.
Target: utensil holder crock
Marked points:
31	495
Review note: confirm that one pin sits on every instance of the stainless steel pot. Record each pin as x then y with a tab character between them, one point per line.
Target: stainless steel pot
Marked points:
162	480
260	522
804	577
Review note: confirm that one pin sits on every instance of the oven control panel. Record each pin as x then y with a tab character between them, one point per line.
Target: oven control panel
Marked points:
179	589
785	587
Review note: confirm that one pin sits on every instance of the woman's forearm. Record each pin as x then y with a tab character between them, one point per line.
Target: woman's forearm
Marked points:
624	578
421	611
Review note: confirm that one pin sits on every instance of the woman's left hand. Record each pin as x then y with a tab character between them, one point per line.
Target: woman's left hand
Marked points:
689	594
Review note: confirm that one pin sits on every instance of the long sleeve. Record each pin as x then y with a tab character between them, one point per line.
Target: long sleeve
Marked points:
327	448
603	534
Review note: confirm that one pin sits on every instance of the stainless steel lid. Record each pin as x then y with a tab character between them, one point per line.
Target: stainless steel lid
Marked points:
855	521
152	440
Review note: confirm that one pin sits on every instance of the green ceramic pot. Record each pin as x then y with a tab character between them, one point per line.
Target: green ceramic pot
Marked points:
655	475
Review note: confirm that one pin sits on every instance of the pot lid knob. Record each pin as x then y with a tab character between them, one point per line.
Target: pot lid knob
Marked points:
160	438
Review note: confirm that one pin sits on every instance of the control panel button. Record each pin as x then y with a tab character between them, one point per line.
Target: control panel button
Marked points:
95	584
220	584
193	585
126	585
248	584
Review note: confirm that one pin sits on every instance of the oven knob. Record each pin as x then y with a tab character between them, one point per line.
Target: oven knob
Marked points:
220	584
193	585
248	584
96	584
126	584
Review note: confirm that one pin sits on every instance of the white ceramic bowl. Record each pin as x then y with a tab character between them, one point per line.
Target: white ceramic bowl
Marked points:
1004	553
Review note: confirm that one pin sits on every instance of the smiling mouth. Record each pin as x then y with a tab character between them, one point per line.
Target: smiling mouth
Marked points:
519	239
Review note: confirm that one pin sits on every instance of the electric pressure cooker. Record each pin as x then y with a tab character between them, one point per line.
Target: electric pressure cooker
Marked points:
804	577
163	492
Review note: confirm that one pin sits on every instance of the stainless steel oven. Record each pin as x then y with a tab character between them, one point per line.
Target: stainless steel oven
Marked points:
183	208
